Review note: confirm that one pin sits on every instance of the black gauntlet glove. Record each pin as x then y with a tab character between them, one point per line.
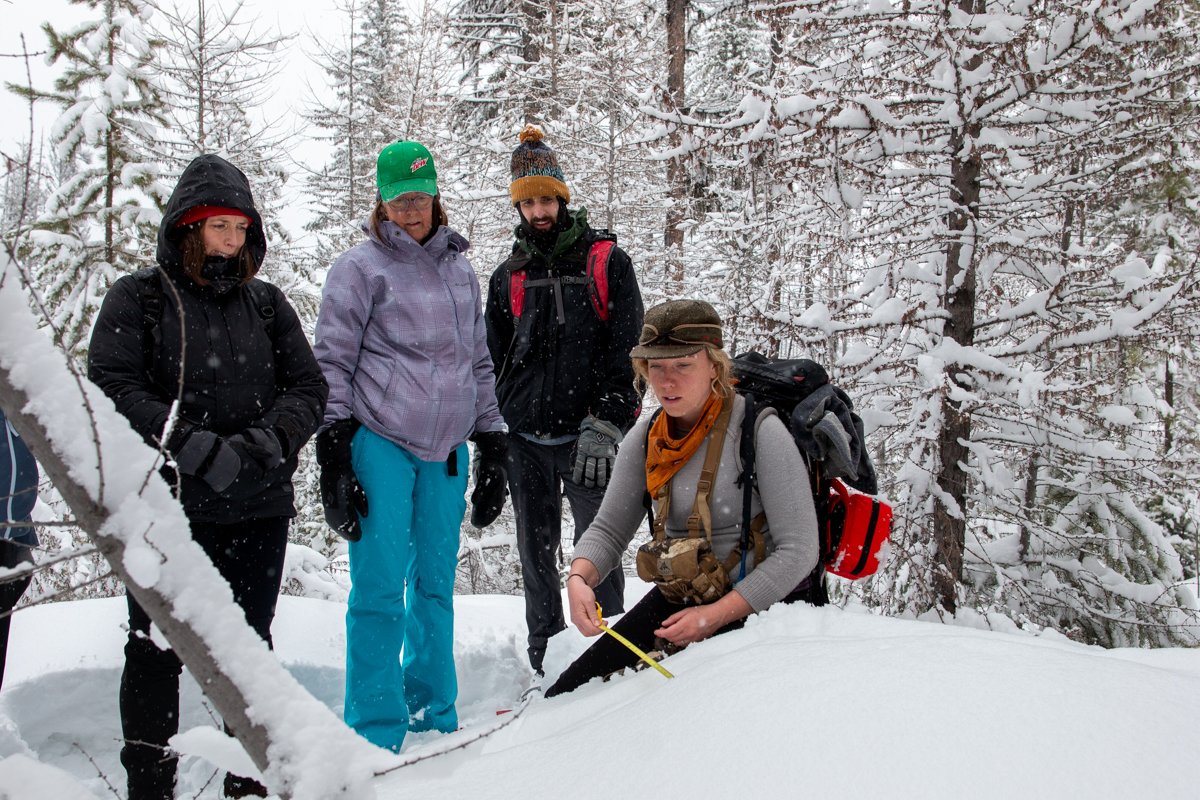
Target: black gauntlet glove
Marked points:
208	457
491	477
595	451
344	500
259	450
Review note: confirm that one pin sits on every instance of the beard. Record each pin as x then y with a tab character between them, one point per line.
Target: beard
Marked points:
545	238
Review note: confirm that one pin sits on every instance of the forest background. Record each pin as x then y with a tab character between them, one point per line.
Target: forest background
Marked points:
979	215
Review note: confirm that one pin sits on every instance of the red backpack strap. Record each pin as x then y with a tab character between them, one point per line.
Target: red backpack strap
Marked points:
597	272
516	292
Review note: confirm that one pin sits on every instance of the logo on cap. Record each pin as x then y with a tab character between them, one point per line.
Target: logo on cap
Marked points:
416	165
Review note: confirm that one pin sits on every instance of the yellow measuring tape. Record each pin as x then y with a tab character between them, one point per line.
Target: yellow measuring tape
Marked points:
629	644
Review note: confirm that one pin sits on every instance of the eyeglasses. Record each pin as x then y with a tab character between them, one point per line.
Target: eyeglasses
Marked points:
420	202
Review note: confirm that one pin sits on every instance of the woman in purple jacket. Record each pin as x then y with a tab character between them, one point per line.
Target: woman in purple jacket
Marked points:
401	341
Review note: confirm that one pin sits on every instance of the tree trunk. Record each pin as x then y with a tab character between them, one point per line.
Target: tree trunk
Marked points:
949	515
767	208
531	53
677	180
1169	399
226	697
202	46
1029	505
111	137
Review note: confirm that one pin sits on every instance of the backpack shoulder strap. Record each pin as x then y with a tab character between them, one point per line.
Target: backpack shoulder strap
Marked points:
516	292
597	273
646	500
701	516
516	265
748	477
150	295
264	303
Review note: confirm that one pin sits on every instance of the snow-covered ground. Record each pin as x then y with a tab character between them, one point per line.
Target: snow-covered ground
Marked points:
802	702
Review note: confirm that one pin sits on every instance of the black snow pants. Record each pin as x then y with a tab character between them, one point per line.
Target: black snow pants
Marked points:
607	655
12	554
538	476
250	556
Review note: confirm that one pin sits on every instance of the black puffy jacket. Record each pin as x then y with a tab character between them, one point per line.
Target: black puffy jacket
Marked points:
240	366
551	373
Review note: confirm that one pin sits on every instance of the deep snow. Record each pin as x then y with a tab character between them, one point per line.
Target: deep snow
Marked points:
803	701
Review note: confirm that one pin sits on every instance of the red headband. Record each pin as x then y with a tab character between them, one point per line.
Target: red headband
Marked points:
197	213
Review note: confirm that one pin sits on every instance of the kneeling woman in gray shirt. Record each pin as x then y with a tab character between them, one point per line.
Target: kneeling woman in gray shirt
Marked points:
667	455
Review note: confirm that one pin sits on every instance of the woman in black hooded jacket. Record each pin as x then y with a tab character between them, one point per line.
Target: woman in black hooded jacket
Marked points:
201	329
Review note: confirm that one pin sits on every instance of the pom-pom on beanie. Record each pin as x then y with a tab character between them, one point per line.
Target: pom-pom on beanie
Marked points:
535	171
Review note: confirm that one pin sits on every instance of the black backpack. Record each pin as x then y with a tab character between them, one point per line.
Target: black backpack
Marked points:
829	435
852	526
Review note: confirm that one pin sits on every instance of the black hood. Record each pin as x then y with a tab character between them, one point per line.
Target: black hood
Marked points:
209	181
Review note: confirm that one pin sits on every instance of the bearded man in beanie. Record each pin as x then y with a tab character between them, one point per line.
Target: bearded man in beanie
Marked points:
563	312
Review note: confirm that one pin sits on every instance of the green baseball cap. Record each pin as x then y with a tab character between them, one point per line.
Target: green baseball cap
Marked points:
405	167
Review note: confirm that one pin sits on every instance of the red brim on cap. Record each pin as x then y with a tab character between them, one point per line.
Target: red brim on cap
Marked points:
197	213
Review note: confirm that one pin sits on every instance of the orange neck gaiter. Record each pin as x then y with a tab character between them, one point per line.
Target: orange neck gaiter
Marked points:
666	456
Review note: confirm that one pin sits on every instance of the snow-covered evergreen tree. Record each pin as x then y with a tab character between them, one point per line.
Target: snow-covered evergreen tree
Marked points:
974	146
579	70
370	107
498	46
604	61
101	220
26	182
217	70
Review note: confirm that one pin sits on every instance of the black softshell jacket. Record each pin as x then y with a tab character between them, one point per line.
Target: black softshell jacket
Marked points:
550	374
235	374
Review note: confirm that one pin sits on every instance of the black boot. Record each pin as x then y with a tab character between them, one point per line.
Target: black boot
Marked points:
149	700
237	786
151	774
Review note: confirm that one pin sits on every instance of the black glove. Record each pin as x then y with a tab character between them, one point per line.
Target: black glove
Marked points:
344	500
209	458
258	445
491	477
595	451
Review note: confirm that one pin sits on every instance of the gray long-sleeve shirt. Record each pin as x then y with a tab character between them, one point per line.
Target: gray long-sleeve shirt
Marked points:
783	492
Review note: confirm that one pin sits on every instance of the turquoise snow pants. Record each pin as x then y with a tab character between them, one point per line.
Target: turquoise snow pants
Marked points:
402	593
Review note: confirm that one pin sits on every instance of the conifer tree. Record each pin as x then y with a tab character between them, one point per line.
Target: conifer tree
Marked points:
390	76
27	178
101	219
500	87
217	72
603	63
981	152
759	221
342	191
579	70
